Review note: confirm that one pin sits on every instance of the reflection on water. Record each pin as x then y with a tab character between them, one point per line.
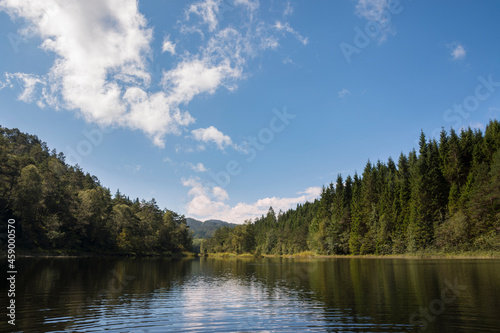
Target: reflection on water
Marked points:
246	295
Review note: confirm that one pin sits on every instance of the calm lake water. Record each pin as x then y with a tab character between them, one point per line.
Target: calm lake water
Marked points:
255	295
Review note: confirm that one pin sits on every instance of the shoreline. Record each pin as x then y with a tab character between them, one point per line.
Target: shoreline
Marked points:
228	255
477	255
68	255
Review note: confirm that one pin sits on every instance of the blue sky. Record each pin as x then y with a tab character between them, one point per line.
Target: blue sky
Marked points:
222	108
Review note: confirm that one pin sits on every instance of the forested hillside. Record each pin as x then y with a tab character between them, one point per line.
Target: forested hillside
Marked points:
206	229
59	207
445	197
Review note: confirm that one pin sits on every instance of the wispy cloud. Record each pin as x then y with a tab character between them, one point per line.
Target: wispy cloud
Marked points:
103	72
371	10
28	82
288	9
168	160
207	10
343	93
374	11
133	168
252	5
286	27
457	51
288	61
211	203
196	167
199	167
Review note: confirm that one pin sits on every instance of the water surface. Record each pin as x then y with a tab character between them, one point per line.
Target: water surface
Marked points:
255	295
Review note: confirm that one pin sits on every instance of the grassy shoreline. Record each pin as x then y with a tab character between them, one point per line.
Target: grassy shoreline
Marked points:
78	254
301	255
416	255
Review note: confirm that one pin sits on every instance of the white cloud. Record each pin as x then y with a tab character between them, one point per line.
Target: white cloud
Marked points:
102	60
457	51
207	10
288	61
371	9
193	77
29	83
269	42
314	191
204	202
251	5
343	93
286	27
288	9
197	167
168	46
97	55
212	134
220	194
210	203
156	114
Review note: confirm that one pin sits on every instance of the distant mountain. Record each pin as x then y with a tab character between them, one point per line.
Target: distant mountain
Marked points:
206	229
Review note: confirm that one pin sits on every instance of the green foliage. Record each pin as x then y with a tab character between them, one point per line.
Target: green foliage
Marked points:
59	207
205	229
445	197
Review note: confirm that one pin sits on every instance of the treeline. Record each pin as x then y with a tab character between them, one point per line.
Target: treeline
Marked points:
445	197
59	207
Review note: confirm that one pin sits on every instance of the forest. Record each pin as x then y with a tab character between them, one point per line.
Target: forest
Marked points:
444	197
58	207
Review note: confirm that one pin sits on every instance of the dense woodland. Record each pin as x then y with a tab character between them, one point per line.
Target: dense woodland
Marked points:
59	207
445	197
206	229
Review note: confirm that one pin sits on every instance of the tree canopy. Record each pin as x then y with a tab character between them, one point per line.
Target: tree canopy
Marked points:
60	207
446	197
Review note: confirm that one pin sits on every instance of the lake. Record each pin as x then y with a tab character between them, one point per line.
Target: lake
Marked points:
255	295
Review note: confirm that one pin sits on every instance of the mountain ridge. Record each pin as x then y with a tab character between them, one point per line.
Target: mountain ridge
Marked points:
205	229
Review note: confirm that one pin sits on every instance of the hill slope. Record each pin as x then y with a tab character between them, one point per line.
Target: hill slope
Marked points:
57	206
206	229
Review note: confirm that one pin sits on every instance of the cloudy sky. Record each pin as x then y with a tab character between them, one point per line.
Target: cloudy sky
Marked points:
222	108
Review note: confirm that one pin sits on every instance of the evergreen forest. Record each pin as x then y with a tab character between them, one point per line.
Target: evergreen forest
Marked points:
445	197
